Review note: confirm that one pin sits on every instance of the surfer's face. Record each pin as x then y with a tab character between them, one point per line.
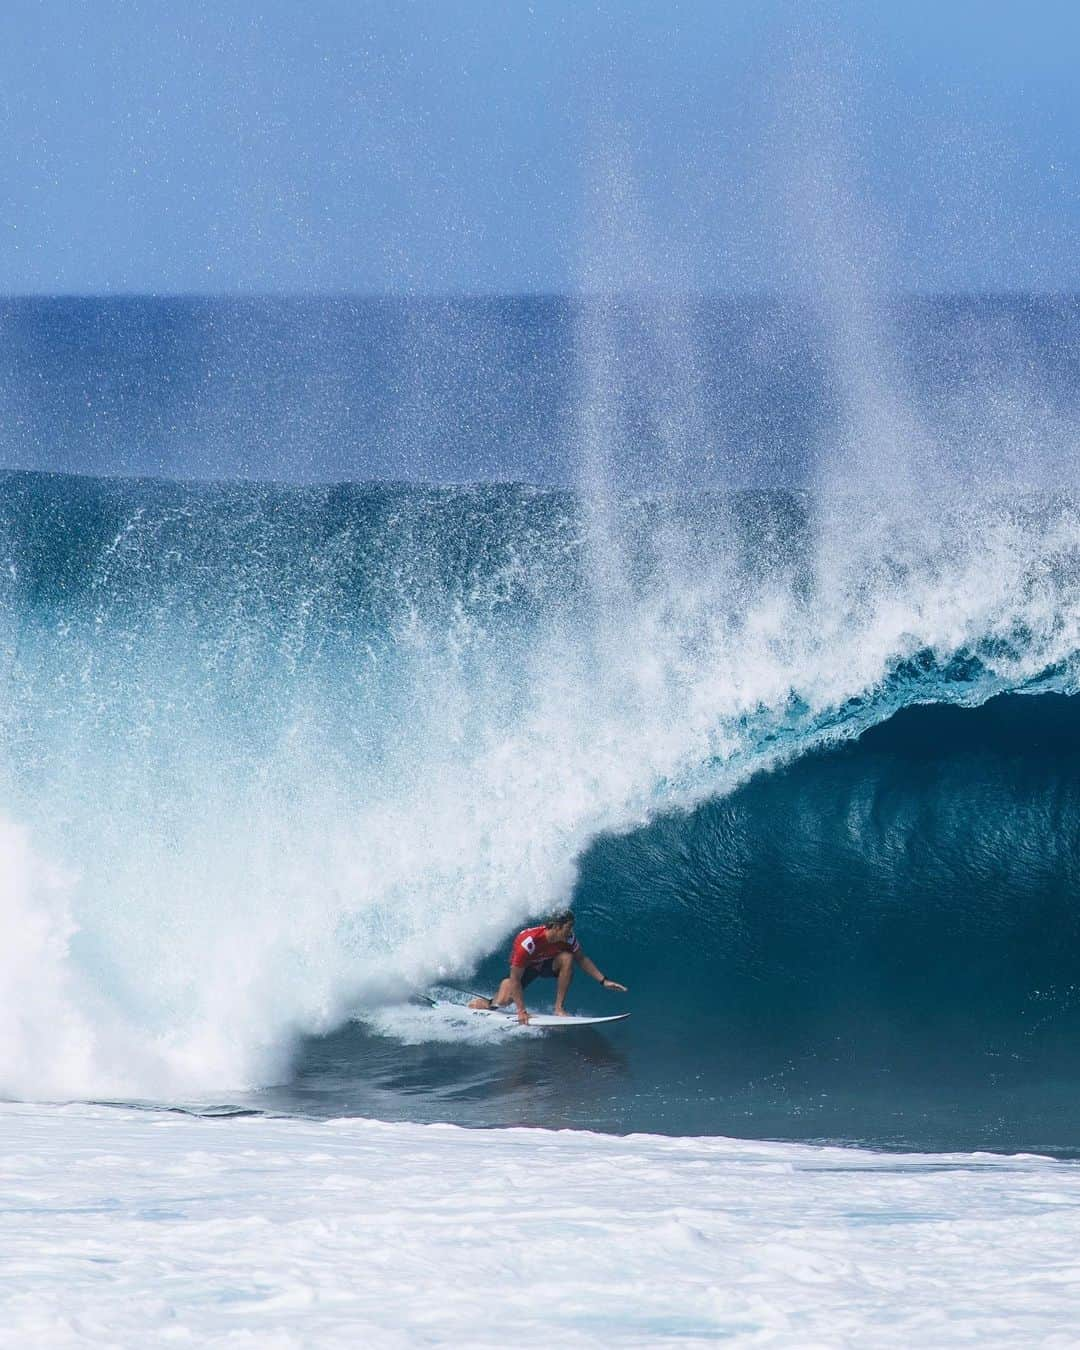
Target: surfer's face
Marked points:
562	933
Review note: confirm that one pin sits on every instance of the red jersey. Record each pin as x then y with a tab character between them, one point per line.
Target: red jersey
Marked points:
532	948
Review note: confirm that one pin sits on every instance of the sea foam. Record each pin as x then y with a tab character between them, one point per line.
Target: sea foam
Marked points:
135	1227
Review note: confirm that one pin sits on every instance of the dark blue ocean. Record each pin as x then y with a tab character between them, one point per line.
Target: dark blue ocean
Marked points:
341	638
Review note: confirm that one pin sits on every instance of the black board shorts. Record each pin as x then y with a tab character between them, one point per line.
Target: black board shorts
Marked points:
546	970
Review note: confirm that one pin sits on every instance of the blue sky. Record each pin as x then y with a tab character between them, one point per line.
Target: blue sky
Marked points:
467	145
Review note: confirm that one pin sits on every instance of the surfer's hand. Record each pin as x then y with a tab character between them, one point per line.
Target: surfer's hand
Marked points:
614	984
523	1017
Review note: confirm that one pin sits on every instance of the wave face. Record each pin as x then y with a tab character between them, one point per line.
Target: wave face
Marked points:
272	755
877	941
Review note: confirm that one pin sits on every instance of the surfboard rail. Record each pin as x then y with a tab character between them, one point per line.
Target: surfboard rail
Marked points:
546	1020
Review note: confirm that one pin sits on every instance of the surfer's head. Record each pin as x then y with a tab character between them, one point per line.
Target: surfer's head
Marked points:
560	923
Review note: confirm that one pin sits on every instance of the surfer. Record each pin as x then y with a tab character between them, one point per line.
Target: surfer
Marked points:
550	950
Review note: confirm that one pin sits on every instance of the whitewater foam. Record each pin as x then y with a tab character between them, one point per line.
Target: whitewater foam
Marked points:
125	1227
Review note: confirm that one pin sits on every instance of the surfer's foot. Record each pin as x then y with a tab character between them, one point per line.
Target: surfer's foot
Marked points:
480	1004
560	1012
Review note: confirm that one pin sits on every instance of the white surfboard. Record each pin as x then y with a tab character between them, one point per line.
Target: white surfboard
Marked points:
509	1016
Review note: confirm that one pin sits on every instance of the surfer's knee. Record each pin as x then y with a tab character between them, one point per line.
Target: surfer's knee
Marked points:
564	961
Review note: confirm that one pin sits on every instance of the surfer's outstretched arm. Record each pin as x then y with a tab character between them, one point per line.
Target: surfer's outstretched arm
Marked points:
590	968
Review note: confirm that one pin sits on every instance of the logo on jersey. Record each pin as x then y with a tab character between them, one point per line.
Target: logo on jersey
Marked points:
528	944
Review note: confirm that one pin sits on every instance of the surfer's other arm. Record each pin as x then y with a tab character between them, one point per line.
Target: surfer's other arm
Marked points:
517	992
590	968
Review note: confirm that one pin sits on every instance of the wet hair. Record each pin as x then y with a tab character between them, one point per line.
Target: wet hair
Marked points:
560	919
